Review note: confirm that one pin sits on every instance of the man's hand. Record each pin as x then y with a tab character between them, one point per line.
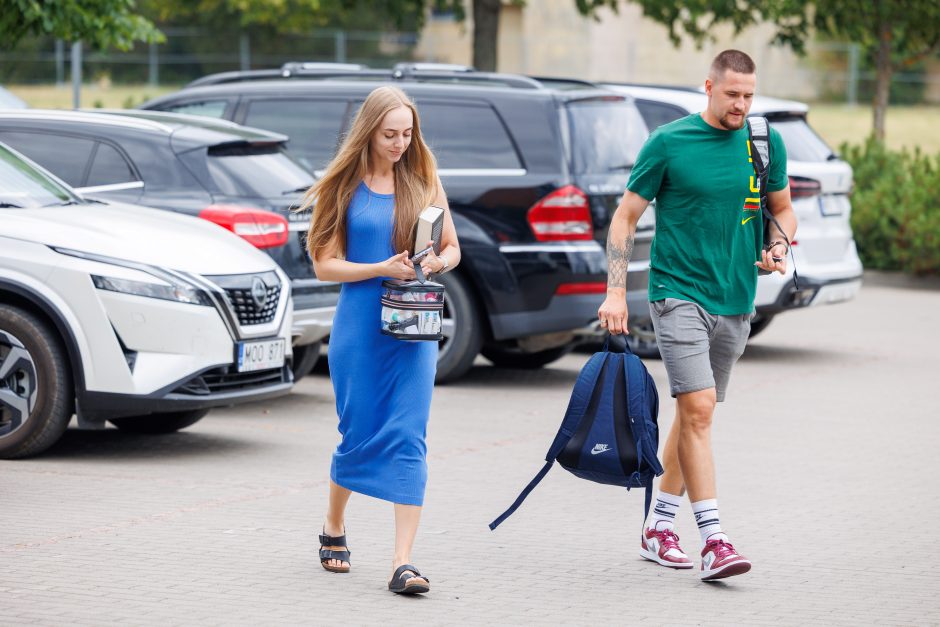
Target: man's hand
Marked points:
613	312
767	261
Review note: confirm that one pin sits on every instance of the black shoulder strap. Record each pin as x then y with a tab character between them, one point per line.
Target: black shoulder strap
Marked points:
758	129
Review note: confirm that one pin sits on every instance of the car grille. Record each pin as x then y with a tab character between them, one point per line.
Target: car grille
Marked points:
247	310
253	298
226	379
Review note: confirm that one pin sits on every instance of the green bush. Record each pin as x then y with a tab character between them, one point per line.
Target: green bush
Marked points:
896	208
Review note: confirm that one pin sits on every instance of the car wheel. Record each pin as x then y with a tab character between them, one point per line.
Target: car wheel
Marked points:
509	357
305	358
463	335
759	323
36	394
160	423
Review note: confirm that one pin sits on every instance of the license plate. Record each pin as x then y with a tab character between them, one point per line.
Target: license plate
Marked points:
832	205
263	355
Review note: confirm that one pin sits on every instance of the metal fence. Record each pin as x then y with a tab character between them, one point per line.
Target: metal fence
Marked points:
834	72
189	53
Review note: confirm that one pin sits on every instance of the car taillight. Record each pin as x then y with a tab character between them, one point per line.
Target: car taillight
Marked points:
591	287
802	187
562	215
262	229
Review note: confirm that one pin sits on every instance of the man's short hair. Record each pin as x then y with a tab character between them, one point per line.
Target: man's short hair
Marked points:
733	60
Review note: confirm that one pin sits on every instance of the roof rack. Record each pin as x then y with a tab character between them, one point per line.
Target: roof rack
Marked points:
433	67
295	66
412	72
685	88
566	84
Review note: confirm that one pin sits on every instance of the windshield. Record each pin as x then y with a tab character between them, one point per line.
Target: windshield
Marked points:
802	142
257	171
605	135
24	185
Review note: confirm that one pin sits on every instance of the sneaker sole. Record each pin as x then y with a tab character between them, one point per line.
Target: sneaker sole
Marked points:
653	557
729	570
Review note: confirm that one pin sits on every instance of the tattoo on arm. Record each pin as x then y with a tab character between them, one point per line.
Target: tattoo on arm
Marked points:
618	256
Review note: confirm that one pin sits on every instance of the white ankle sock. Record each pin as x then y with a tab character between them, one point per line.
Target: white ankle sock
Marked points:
663	512
706	517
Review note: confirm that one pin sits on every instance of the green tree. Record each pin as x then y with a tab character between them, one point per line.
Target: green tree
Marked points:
100	23
895	34
298	16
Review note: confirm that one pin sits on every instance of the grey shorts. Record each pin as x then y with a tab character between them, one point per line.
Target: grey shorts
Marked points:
698	348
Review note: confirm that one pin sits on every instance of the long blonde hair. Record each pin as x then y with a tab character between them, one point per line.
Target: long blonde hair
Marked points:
415	177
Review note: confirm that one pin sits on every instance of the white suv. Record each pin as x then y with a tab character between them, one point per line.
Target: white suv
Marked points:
115	312
826	260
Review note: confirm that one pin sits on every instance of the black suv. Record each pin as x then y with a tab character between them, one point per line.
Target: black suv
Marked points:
239	178
533	170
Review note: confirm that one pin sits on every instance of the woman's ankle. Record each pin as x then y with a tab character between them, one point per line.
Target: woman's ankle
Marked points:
333	527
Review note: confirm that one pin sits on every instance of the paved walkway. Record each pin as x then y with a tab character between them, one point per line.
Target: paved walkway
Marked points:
827	458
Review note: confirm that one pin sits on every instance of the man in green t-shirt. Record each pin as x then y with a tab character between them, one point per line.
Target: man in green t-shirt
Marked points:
703	276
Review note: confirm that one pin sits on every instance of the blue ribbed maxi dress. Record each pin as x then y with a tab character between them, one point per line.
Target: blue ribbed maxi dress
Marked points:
383	385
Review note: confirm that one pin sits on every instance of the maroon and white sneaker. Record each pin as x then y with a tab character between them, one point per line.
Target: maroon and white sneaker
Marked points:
663	548
720	560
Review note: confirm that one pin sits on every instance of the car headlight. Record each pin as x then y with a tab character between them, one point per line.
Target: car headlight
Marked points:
175	286
177	292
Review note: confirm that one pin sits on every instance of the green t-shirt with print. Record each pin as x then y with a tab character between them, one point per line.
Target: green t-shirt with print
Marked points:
708	222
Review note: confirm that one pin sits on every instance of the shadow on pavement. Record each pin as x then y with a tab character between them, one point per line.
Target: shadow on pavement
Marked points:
551	376
771	353
113	444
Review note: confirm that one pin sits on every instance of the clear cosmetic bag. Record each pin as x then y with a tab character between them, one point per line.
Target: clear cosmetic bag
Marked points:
412	310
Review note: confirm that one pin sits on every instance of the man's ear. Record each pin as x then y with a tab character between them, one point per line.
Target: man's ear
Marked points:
708	86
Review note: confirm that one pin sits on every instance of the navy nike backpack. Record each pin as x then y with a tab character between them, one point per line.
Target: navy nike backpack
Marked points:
609	433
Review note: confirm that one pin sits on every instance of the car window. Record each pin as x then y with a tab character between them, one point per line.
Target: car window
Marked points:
802	142
605	135
312	125
109	167
257	171
467	137
22	185
655	114
66	157
206	108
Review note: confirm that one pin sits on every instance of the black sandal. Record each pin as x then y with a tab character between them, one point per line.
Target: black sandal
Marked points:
330	554
399	583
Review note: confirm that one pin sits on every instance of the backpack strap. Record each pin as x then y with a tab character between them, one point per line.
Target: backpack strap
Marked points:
758	129
525	492
580	397
577	405
647	497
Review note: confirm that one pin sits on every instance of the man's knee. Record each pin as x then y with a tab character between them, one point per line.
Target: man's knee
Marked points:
696	409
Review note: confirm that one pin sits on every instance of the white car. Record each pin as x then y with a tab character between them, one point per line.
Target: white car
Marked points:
824	252
119	313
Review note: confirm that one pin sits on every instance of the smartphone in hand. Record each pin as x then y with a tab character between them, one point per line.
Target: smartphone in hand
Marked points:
418	256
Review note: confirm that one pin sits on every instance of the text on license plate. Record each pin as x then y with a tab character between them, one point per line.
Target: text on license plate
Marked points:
260	355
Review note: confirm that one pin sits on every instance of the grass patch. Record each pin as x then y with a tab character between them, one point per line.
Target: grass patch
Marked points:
906	127
93	95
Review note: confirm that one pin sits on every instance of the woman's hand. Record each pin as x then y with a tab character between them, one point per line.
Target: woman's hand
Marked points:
432	263
397	267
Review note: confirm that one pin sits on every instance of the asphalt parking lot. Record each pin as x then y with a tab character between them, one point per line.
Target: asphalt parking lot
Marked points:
826	452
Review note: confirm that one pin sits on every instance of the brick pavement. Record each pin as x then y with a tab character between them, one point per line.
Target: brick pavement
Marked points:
829	432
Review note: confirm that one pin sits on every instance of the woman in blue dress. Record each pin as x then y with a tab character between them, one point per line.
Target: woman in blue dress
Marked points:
366	206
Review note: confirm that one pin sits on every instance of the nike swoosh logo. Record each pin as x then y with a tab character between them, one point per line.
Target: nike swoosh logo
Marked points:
746	220
596	451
